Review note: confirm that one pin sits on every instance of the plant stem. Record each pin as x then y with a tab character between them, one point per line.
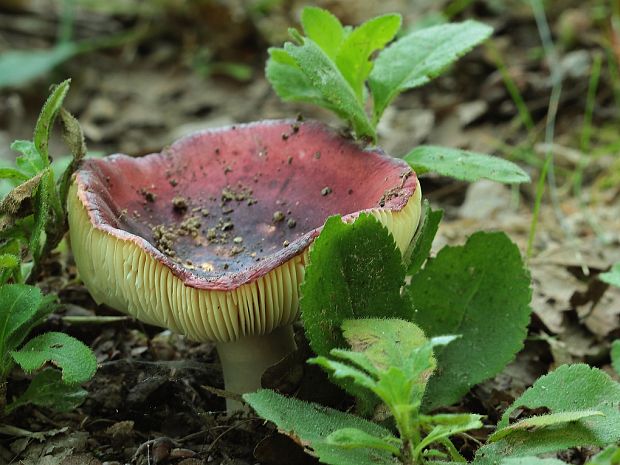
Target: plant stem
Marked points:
244	361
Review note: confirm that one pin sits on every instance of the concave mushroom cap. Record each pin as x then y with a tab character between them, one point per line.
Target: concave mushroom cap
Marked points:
210	237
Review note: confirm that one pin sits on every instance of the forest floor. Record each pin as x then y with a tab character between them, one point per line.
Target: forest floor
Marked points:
184	68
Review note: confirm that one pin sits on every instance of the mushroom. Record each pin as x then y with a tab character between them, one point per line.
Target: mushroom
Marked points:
210	237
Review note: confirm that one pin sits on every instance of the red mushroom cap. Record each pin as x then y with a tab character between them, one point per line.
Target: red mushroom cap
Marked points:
222	208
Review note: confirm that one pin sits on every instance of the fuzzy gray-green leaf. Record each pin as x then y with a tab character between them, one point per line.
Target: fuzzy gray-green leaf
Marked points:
418	57
569	388
355	271
464	165
76	360
311	424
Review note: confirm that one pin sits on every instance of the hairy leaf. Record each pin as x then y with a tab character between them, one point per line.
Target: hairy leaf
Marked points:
47	389
353	57
46	119
542	421
420	248
355	271
418	57
311	424
353	438
29	162
480	291
22	307
530	461
463	165
569	388
324	28
325	77
76	360
74	138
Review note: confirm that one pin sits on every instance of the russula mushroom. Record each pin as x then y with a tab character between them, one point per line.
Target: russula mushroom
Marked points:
210	237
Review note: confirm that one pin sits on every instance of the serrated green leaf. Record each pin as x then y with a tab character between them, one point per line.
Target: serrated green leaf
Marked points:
21	308
353	56
355	271
612	276
48	390
615	355
20	67
323	78
609	456
73	357
480	291
324	28
542	421
464	165
420	56
46	119
353	438
569	388
311	424
422	242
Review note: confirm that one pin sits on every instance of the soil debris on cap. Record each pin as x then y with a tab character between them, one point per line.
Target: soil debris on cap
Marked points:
179	204
326	191
278	216
148	195
291	223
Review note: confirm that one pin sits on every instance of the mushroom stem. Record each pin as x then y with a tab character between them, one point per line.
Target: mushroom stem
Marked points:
245	360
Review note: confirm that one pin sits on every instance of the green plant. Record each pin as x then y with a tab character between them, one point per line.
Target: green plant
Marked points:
396	310
32	223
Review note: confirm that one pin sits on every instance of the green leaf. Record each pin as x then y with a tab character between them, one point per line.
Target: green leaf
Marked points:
386	343
612	276
46	119
353	438
615	355
76	360
341	370
446	425
19	67
530	461
19	306
12	173
41	214
74	138
608	456
311	424
324	28
418	57
29	162
353	57
355	271
569	388
480	291
423	240
48	390
463	165
543	420
323	77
